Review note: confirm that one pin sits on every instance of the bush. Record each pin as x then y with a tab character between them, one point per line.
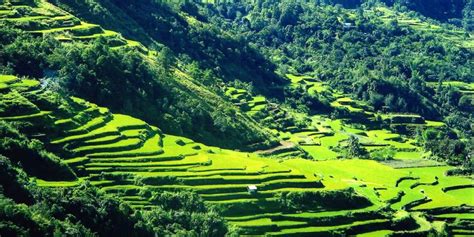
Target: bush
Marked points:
183	213
32	155
387	153
340	199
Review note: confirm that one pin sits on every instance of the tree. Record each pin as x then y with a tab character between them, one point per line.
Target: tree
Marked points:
354	148
166	59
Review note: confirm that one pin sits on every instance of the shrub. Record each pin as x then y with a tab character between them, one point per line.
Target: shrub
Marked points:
32	155
340	199
184	214
387	153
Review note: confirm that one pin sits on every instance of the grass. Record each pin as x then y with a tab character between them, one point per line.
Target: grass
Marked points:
317	87
7	79
82	26
333	141
316	229
440	198
296	79
118	121
26	117
45	183
410	155
115	146
320	152
457	215
348	103
105	33
149	147
430	123
97	121
377	233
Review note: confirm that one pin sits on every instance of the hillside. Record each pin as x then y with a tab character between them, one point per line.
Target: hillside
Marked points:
140	118
143	85
126	157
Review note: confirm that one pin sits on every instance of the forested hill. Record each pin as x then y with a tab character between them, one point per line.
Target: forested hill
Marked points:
458	12
454	11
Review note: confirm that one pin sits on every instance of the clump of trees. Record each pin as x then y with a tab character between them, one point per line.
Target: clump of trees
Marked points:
31	154
186	213
339	199
354	149
445	145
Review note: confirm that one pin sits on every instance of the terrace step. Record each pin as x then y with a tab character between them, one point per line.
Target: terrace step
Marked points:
107	140
264	225
77	30
309	214
110	183
104	155
133	198
27	117
91	125
462	232
233	196
151	146
127	190
143	159
41	22
276	184
237	180
351	229
235	173
95	170
246	195
145	164
125	145
215	169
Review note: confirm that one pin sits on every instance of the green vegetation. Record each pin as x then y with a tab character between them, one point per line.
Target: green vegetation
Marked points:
144	80
343	121
124	156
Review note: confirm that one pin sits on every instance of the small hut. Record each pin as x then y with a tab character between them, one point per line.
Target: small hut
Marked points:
252	189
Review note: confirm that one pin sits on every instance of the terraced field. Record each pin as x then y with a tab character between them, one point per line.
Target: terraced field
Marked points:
271	115
43	18
127	157
466	89
375	131
321	136
454	35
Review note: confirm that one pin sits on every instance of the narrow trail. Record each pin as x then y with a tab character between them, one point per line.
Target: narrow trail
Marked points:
283	145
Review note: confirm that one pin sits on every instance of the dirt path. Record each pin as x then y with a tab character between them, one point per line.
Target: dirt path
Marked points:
283	145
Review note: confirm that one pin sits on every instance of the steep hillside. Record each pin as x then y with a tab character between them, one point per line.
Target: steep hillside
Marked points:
442	10
174	26
143	82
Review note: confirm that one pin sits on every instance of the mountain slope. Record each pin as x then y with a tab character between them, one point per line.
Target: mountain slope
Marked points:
124	156
127	71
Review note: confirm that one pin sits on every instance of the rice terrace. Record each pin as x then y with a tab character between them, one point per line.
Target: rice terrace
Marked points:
236	118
